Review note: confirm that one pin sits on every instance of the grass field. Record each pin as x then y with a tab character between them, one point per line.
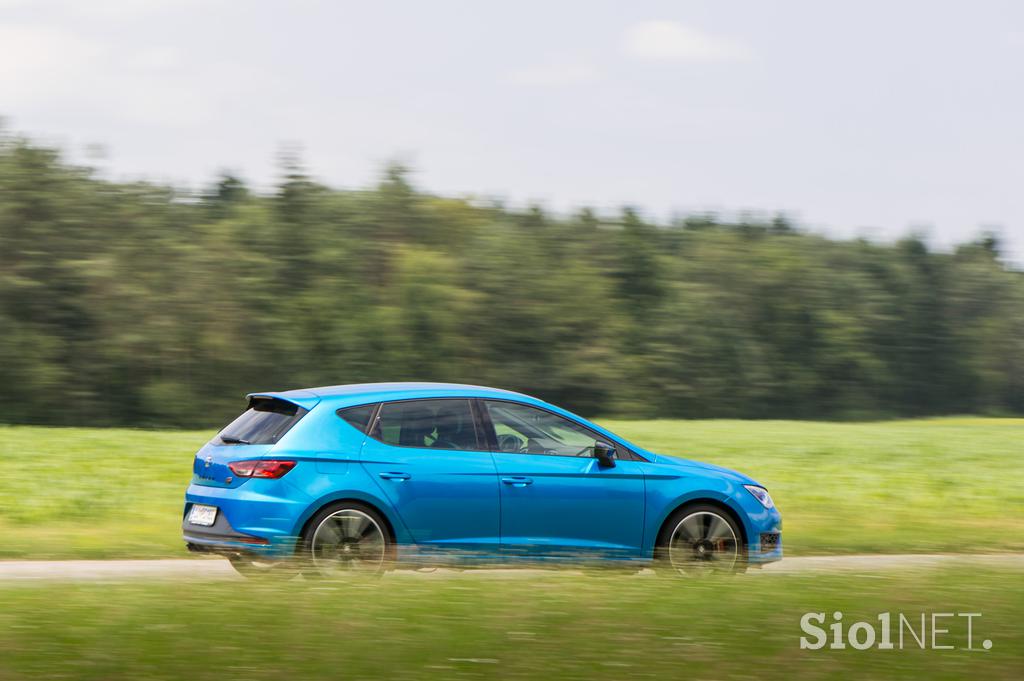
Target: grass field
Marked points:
950	484
556	625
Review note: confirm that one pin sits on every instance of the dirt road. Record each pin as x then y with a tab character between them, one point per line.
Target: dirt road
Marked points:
215	568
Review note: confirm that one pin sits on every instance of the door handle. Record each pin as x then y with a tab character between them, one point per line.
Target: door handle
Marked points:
517	481
395	476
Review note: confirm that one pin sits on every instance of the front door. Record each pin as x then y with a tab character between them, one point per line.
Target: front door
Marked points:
555	497
428	461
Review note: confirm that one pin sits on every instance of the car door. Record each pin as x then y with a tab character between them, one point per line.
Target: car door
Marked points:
437	473
555	496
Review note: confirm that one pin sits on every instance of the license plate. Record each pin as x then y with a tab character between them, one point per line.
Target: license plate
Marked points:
202	515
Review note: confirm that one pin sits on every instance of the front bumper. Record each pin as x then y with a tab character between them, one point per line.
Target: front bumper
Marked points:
764	535
765	553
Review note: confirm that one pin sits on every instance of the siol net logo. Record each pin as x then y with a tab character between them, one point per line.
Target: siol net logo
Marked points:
937	631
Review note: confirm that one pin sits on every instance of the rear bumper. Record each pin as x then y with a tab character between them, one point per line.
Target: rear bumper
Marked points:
218	534
249	520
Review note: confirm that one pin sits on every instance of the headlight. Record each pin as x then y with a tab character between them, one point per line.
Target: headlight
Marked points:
761	494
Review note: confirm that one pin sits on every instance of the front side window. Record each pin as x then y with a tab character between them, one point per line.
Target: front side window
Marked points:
264	423
431	424
527	430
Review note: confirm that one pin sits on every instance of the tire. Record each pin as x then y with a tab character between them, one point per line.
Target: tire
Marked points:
344	539
699	540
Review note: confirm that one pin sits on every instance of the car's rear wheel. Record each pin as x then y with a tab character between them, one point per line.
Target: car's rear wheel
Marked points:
345	539
701	540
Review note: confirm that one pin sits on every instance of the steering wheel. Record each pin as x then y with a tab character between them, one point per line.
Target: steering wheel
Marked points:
511	443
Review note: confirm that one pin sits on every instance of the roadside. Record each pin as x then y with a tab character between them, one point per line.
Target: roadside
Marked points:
522	624
217	569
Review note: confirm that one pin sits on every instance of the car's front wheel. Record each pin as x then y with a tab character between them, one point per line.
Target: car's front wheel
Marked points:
347	538
699	540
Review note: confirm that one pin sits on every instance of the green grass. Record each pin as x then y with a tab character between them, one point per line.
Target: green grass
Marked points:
556	626
94	493
950	484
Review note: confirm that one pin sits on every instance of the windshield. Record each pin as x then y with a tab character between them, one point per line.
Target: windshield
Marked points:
264	423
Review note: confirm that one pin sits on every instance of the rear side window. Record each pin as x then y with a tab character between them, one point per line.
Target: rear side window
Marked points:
263	423
432	424
358	417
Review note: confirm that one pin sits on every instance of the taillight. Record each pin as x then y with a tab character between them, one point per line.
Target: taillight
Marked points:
261	468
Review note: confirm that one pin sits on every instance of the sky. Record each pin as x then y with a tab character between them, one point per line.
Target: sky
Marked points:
865	118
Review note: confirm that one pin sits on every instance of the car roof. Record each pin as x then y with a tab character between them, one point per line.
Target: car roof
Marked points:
355	394
365	393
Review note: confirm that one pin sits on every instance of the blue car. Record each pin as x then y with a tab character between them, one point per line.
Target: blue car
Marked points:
383	475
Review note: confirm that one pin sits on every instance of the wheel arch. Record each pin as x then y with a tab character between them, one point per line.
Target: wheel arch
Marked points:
350	497
705	500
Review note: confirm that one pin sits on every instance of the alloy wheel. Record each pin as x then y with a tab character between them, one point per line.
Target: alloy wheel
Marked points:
702	543
348	541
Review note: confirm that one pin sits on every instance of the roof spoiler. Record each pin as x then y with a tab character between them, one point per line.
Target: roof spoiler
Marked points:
302	398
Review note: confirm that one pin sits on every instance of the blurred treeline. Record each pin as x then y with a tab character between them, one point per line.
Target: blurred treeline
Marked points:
141	304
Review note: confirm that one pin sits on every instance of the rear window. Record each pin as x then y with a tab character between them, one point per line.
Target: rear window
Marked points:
432	424
358	417
263	423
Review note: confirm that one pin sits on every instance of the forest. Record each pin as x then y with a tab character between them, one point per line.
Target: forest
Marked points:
143	304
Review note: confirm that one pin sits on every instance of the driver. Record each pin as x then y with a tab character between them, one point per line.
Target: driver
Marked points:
452	433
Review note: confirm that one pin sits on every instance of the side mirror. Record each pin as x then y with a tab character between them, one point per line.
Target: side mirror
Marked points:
605	454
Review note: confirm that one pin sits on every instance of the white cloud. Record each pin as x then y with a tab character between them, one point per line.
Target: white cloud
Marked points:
157	59
101	8
663	40
552	75
45	68
38	59
1014	39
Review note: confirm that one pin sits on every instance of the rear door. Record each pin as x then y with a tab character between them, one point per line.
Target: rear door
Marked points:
432	465
555	497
